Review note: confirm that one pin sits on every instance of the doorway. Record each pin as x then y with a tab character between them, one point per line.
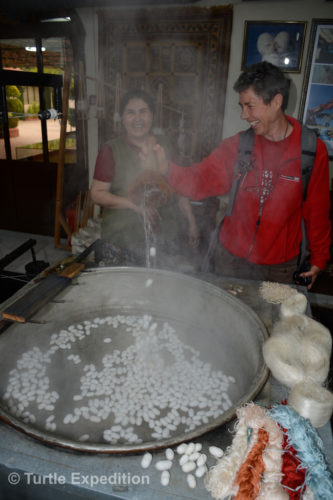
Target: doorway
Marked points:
31	85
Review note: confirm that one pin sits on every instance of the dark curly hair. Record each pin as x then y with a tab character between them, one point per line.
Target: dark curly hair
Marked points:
266	80
136	94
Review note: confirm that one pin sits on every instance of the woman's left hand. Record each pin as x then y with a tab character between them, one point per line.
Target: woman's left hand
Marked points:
314	272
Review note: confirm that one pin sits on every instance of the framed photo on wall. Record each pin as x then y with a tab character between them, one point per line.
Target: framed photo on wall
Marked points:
278	42
316	108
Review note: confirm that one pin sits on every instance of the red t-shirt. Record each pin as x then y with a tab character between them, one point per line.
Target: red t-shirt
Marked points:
105	164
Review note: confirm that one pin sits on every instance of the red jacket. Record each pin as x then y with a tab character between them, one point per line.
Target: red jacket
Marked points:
275	236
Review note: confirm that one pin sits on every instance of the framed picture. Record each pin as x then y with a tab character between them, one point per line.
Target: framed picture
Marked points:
280	43
316	107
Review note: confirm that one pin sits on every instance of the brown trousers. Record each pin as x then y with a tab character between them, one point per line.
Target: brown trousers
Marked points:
227	264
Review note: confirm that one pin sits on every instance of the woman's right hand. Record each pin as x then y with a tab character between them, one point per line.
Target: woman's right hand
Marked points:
161	159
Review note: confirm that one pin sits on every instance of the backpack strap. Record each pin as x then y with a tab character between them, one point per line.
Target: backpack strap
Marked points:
308	153
242	165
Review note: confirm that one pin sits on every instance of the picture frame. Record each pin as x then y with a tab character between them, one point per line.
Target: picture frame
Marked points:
278	42
316	105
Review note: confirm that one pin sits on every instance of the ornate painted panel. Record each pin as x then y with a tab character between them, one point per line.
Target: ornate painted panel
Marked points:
184	52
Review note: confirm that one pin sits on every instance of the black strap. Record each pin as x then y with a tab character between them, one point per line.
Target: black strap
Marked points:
308	153
309	147
242	165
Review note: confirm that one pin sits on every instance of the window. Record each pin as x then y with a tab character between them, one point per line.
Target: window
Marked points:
31	77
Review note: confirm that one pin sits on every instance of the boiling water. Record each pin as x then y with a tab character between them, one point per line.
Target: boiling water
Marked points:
150	237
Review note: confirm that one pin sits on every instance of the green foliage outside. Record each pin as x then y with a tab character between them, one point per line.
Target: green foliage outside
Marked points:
53	145
14	104
33	109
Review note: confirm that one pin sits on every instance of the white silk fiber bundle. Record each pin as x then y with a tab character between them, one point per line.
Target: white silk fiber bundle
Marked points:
294	325
280	354
312	401
275	293
315	359
319	333
295	304
299	348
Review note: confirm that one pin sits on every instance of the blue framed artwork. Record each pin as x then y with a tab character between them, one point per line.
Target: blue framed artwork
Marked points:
316	108
278	42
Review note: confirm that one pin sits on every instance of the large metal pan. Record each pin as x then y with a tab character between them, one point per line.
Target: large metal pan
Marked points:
220	330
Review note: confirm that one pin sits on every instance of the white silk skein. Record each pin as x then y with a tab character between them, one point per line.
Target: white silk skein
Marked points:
295	304
312	401
315	359
280	353
319	333
295	324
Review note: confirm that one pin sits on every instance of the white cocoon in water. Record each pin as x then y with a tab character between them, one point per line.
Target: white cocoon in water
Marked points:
295	304
312	401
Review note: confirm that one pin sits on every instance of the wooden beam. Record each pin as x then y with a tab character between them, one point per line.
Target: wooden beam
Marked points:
59	219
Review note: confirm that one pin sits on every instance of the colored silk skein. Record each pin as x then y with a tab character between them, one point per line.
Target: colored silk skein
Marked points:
251	471
308	445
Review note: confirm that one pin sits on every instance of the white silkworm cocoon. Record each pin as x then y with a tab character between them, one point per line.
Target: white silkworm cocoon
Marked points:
163	465
181	448
190	448
312	401
146	460
152	251
165	478
188	467
191	481
194	456
183	459
169	453
201	471
295	304
149	282
202	460
198	446
84	437
216	451
107	340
